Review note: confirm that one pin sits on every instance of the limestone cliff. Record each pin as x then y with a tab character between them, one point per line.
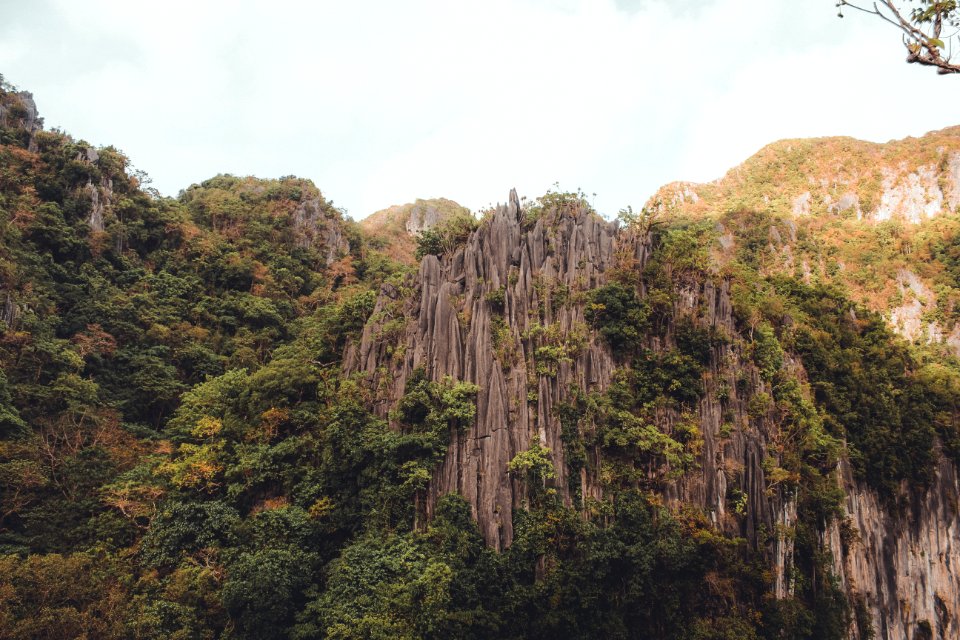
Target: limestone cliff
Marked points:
902	567
499	310
315	224
832	206
18	111
449	333
912	180
394	229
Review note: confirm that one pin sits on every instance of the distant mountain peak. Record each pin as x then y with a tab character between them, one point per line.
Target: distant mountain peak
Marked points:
912	179
395	228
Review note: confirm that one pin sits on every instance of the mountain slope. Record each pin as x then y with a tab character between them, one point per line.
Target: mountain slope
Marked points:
238	414
394	230
879	221
617	360
911	179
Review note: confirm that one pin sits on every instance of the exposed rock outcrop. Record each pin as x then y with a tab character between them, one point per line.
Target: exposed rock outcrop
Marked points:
11	311
314	226
846	202
953	173
454	331
394	230
101	198
20	112
423	216
450	333
911	180
913	197
857	201
902	568
477	315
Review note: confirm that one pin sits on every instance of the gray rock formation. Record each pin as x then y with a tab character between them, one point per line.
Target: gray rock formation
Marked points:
423	216
23	115
846	202
914	197
314	226
801	204
11	312
100	199
101	195
450	334
902	568
953	179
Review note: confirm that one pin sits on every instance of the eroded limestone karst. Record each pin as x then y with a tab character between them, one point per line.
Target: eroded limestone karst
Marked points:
508	312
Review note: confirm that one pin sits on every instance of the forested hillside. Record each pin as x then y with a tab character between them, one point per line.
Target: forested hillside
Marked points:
238	414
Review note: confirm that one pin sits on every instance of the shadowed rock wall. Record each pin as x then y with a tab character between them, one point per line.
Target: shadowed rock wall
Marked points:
904	568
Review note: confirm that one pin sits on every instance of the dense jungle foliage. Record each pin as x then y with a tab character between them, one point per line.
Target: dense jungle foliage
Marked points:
181	455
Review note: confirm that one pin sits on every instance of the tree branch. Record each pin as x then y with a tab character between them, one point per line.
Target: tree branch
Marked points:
923	47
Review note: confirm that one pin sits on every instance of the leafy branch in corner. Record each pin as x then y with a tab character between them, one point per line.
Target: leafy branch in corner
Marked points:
922	29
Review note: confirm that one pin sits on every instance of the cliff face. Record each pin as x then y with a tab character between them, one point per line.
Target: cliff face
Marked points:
315	226
902	568
493	312
449	333
912	180
850	197
395	229
454	330
19	111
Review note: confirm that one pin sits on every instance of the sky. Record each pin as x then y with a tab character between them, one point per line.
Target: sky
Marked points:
380	103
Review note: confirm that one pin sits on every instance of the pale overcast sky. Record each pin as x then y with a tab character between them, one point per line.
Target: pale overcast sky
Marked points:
384	102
